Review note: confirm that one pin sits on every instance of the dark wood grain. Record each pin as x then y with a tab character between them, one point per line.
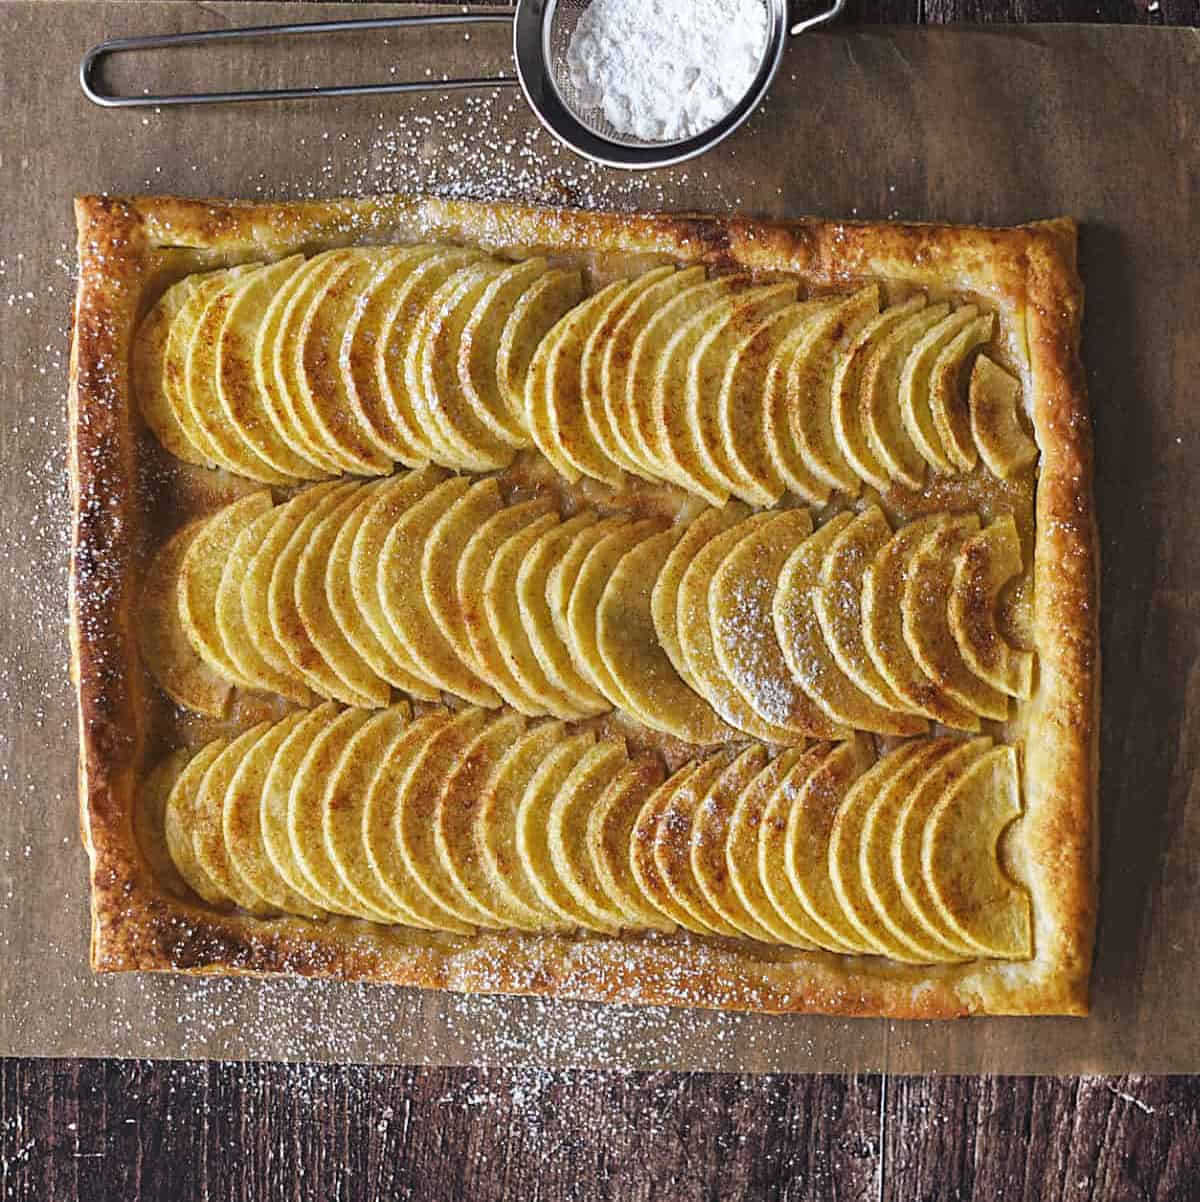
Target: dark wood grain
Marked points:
140	1131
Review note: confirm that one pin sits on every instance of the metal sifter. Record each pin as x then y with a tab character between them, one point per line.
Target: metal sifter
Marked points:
542	31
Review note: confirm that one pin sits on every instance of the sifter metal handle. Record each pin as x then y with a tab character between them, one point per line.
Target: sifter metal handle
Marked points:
96	55
820	18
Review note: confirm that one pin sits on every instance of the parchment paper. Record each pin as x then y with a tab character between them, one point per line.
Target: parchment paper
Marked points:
993	126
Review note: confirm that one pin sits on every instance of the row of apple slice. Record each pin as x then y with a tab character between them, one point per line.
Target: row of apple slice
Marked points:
456	821
729	388
360	358
722	626
348	362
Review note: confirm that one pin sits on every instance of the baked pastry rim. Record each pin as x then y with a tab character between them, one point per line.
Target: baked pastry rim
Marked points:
1028	272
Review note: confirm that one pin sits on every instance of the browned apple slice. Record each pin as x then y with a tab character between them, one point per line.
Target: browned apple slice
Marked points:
315	777
709	835
208	823
479	349
591	366
847	388
582	610
292	387
742	403
391	501
746	892
609	833
201	394
838	601
148	371
673	846
540	308
466	440
914	387
400	327
808	655
243	829
644	676
552	652
318	367
200	578
986	562
643	864
973	894
403	599
809	387
653	354
287	624
568	822
179	822
478	554
704	452
511	892
502	606
743	625
381	832
180	338
317	616
533	832
875	855
364	329
471	811
454	815
994	399
554	414
440	559
884	584
879	397
179	670
618	362
773	838
353	623
561	580
950	414
696	638
267	383
909	835
926	623
419	795
846	846
806	841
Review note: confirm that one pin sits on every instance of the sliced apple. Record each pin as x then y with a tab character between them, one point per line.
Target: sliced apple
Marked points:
973	894
986	562
541	307
951	417
618	359
641	670
552	652
742	623
741	853
994	399
847	389
709	836
398	580
809	387
149	818
179	822
884	584
914	387
488	658
926	624
838	602
609	834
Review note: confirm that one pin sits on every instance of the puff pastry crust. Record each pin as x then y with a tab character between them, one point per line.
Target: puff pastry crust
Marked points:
131	248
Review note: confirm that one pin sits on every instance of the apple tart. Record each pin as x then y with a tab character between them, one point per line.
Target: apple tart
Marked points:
630	607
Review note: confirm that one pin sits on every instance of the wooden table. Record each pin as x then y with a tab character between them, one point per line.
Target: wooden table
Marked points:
159	1130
